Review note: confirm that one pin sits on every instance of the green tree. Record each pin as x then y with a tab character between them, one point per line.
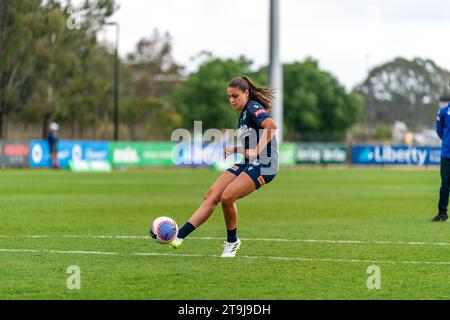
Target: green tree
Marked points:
155	71
89	96
405	90
317	106
203	95
85	86
44	66
20	28
150	75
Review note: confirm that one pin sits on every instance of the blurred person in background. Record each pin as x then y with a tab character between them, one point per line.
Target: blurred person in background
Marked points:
52	139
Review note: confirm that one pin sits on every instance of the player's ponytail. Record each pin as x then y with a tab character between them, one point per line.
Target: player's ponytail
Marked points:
262	95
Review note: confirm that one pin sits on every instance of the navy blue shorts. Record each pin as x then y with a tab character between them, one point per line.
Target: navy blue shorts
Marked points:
254	172
53	147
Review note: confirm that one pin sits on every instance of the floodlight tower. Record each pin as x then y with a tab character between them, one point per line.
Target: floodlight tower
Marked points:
116	80
275	67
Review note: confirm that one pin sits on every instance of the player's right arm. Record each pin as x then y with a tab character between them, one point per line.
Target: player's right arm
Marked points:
440	123
231	150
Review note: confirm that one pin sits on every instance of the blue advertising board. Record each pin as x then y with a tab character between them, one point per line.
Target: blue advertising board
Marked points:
197	154
396	155
67	150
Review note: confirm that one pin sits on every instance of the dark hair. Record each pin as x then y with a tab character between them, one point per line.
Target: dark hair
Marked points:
262	95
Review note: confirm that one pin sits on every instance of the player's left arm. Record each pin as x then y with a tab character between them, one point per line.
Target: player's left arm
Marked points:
269	130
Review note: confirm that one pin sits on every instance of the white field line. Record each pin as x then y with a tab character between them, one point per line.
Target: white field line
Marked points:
413	243
153	254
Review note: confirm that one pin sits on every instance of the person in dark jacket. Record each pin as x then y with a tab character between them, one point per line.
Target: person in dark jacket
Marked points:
53	143
443	131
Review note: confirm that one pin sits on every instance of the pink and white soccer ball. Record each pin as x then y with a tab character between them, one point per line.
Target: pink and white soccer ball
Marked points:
164	230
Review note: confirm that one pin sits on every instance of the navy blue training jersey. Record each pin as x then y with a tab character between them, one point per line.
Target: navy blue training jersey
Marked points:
250	131
53	140
443	130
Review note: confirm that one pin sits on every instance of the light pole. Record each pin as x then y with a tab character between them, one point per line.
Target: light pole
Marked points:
275	66
116	81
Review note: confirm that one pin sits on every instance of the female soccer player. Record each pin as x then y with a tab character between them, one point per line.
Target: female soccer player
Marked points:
256	130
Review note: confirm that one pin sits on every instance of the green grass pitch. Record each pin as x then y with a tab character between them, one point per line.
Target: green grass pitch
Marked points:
310	234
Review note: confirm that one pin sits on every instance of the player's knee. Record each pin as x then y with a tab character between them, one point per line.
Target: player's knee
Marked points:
212	197
227	198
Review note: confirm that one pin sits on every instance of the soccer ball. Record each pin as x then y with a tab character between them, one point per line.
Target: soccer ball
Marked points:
164	230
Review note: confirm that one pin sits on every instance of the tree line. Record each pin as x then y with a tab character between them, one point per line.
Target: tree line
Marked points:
52	72
53	68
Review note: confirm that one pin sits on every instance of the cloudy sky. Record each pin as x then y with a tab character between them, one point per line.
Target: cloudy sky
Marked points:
346	36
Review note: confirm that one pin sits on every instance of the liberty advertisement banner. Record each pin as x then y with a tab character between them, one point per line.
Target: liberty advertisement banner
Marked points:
67	151
396	155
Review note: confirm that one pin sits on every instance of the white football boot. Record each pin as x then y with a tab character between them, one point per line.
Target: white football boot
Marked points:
176	243
230	249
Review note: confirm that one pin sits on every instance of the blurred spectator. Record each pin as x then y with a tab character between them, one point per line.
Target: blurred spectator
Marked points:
399	132
409	138
427	137
53	143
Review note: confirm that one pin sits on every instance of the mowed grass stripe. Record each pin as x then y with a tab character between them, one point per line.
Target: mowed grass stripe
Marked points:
156	254
111	237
